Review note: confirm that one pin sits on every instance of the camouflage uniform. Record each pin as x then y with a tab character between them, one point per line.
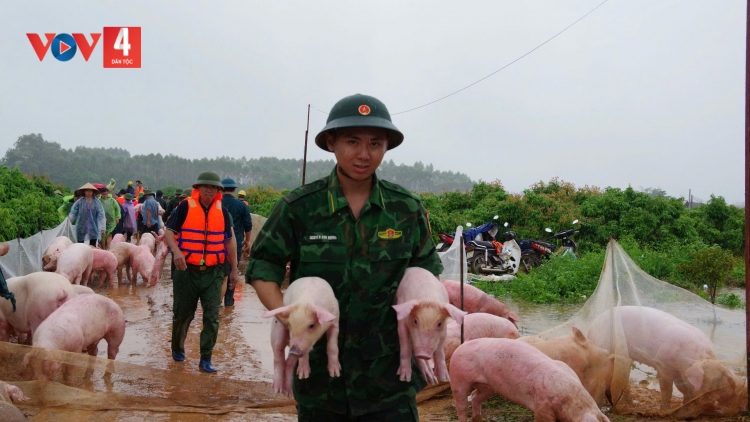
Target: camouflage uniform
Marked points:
363	260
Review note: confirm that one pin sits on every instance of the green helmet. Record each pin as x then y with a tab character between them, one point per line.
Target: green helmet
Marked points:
177	192
208	178
360	111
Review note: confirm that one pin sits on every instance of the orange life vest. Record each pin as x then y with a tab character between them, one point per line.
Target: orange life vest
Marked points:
201	241
138	191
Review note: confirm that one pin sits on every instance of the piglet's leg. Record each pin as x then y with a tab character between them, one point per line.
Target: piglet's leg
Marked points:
289	373
460	393
426	370
279	340
441	370
404	369
303	368
332	349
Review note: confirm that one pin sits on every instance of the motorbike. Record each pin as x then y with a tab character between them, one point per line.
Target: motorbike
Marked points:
485	232
492	257
533	251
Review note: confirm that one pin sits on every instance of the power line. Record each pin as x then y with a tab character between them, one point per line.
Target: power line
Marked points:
507	65
498	70
316	109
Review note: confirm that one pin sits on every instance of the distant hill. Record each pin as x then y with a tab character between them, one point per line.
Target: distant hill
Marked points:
31	154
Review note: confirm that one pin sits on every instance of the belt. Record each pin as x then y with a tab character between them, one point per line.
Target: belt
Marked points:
199	267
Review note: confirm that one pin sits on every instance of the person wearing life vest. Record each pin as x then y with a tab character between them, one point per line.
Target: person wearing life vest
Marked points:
205	242
241	197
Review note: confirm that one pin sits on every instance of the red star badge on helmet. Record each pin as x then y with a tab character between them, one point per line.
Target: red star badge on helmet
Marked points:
364	109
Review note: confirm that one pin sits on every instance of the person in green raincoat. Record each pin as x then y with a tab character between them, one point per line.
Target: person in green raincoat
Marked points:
111	213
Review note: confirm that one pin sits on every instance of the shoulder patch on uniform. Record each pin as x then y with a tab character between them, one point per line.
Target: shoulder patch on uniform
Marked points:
398	188
309	188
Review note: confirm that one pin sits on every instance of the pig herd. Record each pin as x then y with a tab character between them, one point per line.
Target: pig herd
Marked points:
562	379
56	310
566	378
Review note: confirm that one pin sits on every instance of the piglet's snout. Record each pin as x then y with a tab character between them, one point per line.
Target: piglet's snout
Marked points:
423	353
294	350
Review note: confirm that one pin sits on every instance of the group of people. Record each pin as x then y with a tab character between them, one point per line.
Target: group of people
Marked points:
352	229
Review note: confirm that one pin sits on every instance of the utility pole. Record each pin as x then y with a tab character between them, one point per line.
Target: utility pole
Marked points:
304	160
747	190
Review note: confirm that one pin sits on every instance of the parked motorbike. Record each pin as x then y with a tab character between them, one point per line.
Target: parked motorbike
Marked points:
485	232
533	251
491	256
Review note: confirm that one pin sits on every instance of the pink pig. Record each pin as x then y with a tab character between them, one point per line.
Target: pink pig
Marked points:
106	262
79	324
476	300
593	365
122	252
479	325
422	309
52	253
141	262
14	393
680	353
310	310
149	240
118	238
75	263
521	374
161	254
37	295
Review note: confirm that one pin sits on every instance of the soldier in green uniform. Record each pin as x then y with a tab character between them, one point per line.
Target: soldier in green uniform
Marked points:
360	234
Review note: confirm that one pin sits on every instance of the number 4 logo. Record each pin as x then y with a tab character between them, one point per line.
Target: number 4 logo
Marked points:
122	47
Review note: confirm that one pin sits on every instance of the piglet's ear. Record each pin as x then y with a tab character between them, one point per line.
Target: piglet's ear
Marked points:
455	313
282	312
324	316
404	309
695	375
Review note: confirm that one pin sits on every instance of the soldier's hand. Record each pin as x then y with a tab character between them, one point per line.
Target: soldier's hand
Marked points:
233	278
179	261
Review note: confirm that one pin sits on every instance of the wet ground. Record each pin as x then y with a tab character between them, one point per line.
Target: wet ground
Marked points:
147	385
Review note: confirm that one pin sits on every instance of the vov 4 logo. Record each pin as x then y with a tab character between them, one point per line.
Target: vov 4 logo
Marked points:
122	46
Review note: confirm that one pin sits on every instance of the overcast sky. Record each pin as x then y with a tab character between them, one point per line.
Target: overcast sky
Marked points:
642	93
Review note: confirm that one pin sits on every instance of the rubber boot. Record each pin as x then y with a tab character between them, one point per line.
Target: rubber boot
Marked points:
205	365
178	356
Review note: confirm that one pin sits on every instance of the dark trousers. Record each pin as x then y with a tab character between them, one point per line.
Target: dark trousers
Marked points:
405	412
229	295
92	242
188	287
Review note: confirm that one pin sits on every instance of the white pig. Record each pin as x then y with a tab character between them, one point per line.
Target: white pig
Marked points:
118	238
149	240
521	374
310	309
680	353
161	254
80	324
141	262
478	325
476	301
422	308
104	262
593	365
49	259
75	262
82	290
122	252
37	295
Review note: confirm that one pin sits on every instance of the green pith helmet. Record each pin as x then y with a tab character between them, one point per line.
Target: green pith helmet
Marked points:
208	178
177	192
360	111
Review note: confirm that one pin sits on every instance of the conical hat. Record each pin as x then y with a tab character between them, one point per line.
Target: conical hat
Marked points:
88	186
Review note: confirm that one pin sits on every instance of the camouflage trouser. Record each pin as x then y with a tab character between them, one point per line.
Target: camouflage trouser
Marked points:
405	411
187	287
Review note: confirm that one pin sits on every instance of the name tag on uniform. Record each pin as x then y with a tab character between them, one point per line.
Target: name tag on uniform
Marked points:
322	237
389	234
